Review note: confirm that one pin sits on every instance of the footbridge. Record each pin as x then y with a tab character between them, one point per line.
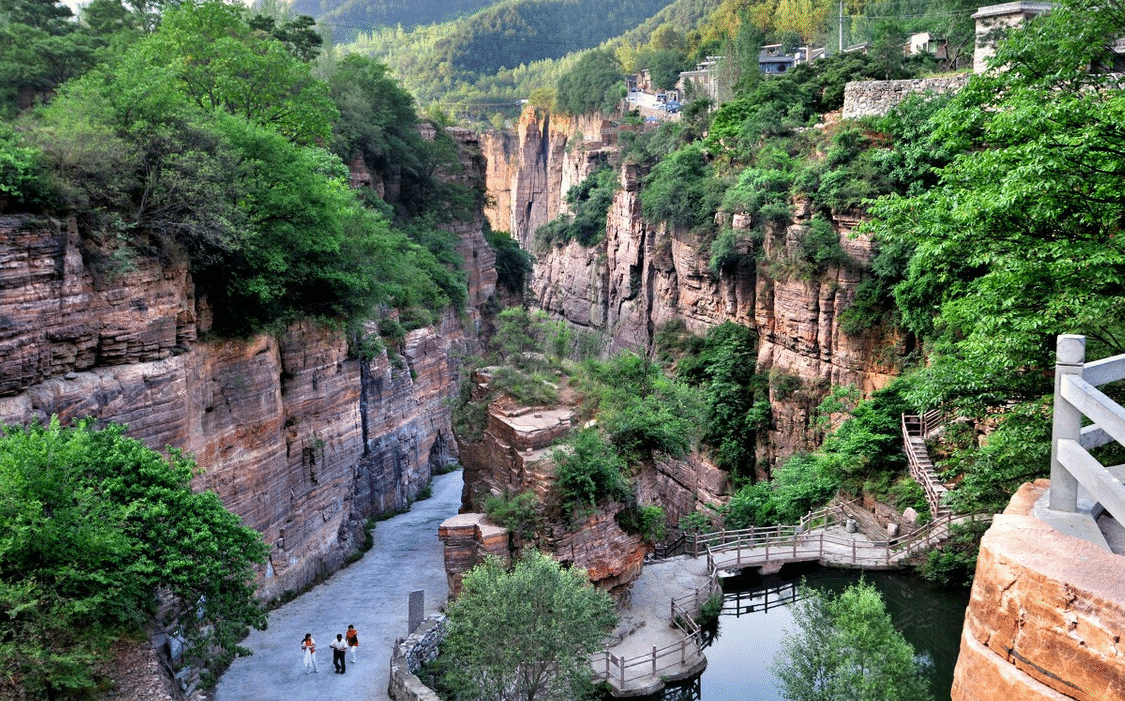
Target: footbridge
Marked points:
827	537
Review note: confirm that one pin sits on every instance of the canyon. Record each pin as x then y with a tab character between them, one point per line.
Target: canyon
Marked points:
294	433
641	277
306	441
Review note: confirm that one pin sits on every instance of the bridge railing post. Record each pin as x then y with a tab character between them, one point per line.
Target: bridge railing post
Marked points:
1067	421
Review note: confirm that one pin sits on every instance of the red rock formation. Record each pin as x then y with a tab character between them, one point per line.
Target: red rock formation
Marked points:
642	277
1046	615
513	455
301	440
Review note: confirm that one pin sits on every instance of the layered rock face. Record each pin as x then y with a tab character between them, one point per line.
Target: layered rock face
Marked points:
1046	615
293	433
642	277
513	455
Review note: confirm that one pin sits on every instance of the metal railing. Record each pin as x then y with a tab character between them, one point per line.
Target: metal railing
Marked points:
1077	397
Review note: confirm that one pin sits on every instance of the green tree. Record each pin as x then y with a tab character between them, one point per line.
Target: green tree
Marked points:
847	649
524	635
1020	239
588	471
93	525
596	82
221	63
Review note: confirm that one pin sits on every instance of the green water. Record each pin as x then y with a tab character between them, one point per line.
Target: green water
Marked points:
756	615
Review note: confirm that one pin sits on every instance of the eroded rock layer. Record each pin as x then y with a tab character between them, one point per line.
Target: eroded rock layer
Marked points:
642	277
293	433
1046	616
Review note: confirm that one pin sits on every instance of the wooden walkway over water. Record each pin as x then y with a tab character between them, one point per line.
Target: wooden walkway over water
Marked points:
823	536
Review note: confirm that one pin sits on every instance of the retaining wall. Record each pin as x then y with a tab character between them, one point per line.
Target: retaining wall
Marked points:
409	655
876	97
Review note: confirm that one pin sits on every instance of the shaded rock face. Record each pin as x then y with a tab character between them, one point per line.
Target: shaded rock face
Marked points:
294	434
642	277
1046	614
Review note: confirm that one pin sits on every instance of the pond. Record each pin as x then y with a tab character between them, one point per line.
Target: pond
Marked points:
756	616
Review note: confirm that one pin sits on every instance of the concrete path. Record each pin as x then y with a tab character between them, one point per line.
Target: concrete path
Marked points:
372	593
646	623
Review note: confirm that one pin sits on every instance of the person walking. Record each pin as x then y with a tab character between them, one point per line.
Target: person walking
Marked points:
309	646
352	636
339	654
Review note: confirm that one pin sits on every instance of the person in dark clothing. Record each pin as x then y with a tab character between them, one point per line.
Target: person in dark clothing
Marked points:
339	654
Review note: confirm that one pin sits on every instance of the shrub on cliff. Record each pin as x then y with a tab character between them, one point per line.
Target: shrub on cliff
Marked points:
93	525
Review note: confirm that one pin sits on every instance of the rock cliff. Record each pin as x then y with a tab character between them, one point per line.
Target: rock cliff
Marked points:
293	433
1046	614
513	455
641	277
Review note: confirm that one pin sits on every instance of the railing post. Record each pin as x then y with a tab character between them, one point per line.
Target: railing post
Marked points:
1067	423
654	660
621	667
853	552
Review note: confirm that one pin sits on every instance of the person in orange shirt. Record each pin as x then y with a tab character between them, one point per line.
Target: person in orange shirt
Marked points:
309	646
352	636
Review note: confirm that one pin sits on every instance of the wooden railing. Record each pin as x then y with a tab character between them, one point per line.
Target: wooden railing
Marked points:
1077	396
790	546
807	540
914	430
619	671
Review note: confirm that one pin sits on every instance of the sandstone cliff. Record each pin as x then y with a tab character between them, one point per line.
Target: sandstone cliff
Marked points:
513	455
1046	614
642	277
293	433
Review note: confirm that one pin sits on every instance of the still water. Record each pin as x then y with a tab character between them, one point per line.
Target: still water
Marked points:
756	616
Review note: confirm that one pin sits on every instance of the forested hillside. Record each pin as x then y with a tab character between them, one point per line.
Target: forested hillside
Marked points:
346	19
480	66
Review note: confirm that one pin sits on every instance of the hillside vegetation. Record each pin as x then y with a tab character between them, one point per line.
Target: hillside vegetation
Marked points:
995	216
210	139
478	67
346	19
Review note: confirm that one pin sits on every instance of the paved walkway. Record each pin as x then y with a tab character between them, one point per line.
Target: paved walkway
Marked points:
372	593
647	622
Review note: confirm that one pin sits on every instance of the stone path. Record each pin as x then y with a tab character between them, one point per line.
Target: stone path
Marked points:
646	622
372	593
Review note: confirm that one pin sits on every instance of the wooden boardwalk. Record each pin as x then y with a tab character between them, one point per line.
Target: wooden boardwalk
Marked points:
822	536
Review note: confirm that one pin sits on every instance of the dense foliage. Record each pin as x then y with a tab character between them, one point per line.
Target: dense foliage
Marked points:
1017	241
847	649
589	203
204	140
525	634
93	528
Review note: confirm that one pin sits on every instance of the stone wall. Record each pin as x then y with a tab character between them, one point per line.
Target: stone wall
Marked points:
871	98
409	655
1046	616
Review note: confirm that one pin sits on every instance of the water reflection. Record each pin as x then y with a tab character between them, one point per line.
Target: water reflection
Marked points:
741	644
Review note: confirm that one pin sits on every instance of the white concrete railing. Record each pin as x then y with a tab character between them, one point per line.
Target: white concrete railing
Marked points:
1077	396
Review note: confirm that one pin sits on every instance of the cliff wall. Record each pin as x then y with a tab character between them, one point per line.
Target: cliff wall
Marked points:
641	277
1046	614
295	435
